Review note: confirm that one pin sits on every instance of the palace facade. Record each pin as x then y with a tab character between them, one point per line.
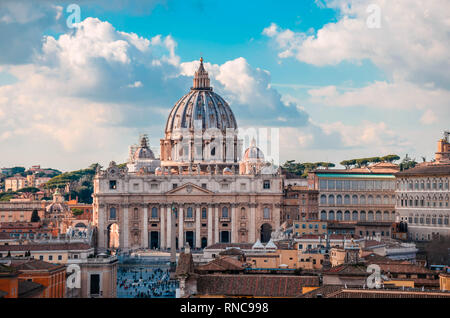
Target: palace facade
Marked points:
201	183
423	196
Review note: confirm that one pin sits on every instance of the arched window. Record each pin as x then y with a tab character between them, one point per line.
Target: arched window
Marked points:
339	199
323	199
243	214
331	200
136	213
362	199
323	215
346	199
266	213
331	215
355	200
154	212
362	216
347	216
355	216
204	213
225	212
339	215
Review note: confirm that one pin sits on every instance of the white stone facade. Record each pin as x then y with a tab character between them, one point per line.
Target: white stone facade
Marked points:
423	202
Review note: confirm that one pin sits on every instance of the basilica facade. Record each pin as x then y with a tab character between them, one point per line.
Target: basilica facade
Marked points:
204	187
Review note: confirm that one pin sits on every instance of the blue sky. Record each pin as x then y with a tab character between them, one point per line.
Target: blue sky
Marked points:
336	88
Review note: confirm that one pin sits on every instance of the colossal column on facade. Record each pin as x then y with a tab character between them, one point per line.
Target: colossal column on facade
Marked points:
233	223
216	224
162	226
103	230
252	221
197	227
210	225
169	225
145	228
125	228
180	227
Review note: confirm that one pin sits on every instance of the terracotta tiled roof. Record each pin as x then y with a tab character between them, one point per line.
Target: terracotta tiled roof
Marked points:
342	292
222	264
254	285
347	269
232	251
46	247
33	265
430	169
404	268
29	289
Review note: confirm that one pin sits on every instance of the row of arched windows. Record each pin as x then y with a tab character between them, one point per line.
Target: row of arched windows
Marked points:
357	216
435	184
422	201
346	199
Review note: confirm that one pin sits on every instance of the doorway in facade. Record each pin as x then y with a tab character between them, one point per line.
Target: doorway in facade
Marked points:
204	242
190	238
113	236
154	240
224	237
266	232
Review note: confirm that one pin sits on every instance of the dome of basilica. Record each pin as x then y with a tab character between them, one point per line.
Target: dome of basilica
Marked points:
143	151
203	105
253	153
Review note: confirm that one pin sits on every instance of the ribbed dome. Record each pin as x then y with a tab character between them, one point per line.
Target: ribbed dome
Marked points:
144	152
201	104
253	153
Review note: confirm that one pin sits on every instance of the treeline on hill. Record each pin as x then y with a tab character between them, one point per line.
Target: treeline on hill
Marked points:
302	169
23	172
362	162
79	181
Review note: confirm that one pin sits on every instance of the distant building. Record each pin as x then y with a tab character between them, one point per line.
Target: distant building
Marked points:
229	280
309	227
51	276
423	196
358	194
299	204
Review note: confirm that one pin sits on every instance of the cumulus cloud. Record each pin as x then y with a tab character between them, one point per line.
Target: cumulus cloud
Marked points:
248	91
93	88
411	44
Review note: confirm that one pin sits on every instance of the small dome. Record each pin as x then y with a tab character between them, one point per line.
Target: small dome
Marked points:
253	153
144	152
227	171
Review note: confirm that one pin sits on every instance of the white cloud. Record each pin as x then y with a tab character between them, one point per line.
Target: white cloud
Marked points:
250	94
76	95
429	118
412	43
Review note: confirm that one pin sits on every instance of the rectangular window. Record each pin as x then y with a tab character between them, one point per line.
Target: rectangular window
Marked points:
174	186
112	184
154	186
266	184
204	185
